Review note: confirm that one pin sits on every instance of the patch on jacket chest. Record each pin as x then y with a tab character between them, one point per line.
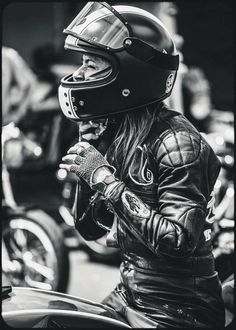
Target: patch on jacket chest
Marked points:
139	172
134	205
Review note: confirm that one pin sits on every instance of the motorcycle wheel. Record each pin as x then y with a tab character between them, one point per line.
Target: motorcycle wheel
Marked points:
35	251
98	251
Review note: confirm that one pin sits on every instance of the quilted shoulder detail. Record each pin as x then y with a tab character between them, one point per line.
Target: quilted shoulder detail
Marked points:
179	148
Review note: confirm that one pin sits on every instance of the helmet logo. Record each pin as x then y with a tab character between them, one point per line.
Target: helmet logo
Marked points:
169	82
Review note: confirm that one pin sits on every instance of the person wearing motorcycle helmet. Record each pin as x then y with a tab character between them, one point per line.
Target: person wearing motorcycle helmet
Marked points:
146	175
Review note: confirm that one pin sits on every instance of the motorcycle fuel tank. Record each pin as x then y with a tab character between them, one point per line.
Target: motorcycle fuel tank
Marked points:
29	307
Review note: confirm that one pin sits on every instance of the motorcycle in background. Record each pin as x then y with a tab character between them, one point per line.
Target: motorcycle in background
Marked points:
221	139
223	229
222	142
33	249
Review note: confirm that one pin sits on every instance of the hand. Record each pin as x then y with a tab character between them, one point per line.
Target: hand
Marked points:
87	131
91	130
88	163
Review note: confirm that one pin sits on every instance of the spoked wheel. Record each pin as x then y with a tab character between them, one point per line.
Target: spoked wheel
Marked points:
34	253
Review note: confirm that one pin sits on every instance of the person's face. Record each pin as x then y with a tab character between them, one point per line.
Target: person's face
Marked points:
91	67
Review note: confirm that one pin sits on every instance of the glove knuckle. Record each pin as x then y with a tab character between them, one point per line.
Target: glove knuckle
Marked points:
77	160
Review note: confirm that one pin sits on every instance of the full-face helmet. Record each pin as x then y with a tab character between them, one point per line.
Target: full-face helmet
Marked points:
142	56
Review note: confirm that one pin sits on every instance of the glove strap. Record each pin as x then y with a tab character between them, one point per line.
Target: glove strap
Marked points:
101	186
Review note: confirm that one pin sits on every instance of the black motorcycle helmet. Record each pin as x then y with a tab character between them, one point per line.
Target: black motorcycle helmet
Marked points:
140	50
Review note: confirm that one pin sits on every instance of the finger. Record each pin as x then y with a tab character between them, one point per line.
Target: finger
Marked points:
65	167
90	136
84	144
69	168
94	123
78	147
69	158
83	127
73	149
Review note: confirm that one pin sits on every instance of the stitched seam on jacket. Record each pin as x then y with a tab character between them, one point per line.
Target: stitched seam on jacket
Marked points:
171	130
191	140
179	166
178	146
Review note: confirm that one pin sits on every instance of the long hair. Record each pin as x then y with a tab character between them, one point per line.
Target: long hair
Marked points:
133	130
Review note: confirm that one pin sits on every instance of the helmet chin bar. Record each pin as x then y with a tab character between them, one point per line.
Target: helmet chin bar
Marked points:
66	104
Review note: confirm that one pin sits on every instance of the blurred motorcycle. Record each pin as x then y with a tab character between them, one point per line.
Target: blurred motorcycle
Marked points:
223	227
221	139
33	249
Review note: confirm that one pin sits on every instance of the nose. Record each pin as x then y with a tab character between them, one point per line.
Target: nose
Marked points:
79	74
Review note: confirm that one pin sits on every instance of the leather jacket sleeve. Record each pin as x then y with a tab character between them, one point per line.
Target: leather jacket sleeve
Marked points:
85	208
184	185
89	207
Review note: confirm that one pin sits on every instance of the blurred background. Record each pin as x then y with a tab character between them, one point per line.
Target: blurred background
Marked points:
36	136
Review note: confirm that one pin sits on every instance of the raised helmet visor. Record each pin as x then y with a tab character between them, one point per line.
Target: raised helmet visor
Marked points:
101	25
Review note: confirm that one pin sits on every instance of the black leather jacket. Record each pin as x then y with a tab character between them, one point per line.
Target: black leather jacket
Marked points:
164	212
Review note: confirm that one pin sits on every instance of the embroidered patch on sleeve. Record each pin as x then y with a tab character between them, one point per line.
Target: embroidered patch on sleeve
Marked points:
134	205
211	209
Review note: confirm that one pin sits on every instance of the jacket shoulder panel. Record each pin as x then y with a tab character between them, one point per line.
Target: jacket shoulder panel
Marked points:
178	148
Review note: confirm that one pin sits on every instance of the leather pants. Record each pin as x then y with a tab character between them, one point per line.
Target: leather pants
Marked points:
143	305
